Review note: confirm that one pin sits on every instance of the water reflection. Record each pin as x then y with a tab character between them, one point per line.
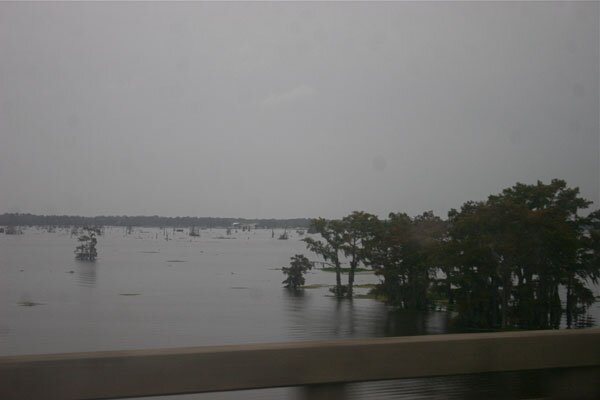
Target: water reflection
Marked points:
311	314
295	304
344	317
86	273
504	385
295	299
408	323
397	323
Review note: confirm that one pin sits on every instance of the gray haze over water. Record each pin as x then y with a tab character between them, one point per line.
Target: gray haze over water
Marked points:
292	109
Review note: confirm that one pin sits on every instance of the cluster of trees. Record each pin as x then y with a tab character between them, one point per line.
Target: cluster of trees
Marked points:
521	258
146	221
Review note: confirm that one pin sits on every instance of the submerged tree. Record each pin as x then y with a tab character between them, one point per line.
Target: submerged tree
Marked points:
295	272
508	257
579	296
403	252
346	237
359	229
87	247
332	232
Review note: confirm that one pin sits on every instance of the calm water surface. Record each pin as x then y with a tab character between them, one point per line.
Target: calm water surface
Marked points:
146	292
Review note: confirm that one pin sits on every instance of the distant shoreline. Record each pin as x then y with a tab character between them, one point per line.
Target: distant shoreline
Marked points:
20	219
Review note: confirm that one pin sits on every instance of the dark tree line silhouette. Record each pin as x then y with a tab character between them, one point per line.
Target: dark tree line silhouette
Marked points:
523	258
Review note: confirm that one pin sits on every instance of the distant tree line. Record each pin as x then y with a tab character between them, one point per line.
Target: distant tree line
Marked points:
146	221
521	259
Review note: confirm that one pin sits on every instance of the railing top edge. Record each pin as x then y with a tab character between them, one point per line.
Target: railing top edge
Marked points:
454	337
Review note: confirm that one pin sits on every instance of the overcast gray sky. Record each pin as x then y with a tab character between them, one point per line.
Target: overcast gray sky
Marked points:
292	109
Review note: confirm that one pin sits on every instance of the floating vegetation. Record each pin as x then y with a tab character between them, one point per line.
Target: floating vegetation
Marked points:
345	270
150	252
370	296
366	286
222	237
315	286
176	261
129	294
29	303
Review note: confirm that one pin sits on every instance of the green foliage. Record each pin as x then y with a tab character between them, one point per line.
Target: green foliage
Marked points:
499	263
508	256
347	237
359	230
403	252
332	233
299	265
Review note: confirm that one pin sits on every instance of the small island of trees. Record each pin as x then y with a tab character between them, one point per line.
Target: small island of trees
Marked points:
299	265
87	247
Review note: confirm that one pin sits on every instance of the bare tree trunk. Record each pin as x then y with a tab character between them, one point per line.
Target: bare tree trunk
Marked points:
338	277
353	264
569	303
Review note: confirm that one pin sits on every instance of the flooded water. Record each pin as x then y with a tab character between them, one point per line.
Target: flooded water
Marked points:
144	291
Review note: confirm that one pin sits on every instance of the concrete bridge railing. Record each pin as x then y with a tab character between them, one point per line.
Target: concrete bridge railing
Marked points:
322	367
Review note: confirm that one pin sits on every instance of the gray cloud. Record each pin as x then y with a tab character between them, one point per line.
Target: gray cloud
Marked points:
298	92
288	109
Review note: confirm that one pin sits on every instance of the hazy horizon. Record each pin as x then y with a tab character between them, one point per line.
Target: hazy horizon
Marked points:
293	110
159	216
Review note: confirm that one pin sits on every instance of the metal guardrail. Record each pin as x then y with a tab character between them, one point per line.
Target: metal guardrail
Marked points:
323	367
